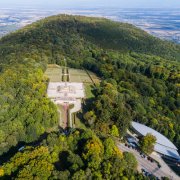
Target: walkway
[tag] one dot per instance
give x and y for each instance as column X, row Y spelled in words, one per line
column 76, row 108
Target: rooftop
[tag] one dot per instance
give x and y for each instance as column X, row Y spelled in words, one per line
column 163, row 145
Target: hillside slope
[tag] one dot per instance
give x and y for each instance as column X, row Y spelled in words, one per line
column 105, row 33
column 141, row 76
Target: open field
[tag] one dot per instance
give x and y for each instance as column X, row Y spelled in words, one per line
column 78, row 123
column 78, row 75
column 88, row 90
column 93, row 76
column 54, row 73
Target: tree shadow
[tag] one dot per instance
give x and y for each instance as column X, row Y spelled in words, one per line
column 62, row 164
column 87, row 106
column 13, row 150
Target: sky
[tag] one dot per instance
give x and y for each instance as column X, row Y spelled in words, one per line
column 91, row 3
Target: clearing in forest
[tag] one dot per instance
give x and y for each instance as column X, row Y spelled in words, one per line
column 67, row 88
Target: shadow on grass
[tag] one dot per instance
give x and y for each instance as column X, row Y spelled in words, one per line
column 87, row 106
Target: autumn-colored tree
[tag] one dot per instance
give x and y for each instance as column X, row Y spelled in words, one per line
column 114, row 131
column 31, row 163
column 93, row 152
column 110, row 149
column 147, row 143
column 1, row 171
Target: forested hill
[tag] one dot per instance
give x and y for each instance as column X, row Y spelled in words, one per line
column 105, row 33
column 140, row 73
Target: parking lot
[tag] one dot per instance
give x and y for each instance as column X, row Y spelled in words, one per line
column 145, row 164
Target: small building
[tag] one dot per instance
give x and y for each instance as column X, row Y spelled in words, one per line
column 163, row 145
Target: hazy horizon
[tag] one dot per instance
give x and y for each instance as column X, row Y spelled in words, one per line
column 160, row 23
column 160, row 17
column 91, row 3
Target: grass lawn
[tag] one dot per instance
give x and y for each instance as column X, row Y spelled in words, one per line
column 95, row 79
column 75, row 78
column 54, row 73
column 78, row 123
column 88, row 90
column 62, row 114
column 78, row 75
column 65, row 78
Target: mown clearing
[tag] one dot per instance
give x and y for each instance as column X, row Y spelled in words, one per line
column 89, row 79
column 68, row 87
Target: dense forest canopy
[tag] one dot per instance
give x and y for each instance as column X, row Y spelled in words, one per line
column 81, row 155
column 140, row 80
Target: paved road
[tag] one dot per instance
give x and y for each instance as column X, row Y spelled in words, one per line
column 165, row 167
column 145, row 164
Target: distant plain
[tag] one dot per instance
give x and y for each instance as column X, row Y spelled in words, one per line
column 162, row 23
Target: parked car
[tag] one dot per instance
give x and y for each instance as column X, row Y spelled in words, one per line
column 21, row 148
column 143, row 155
column 152, row 176
column 143, row 170
column 147, row 173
